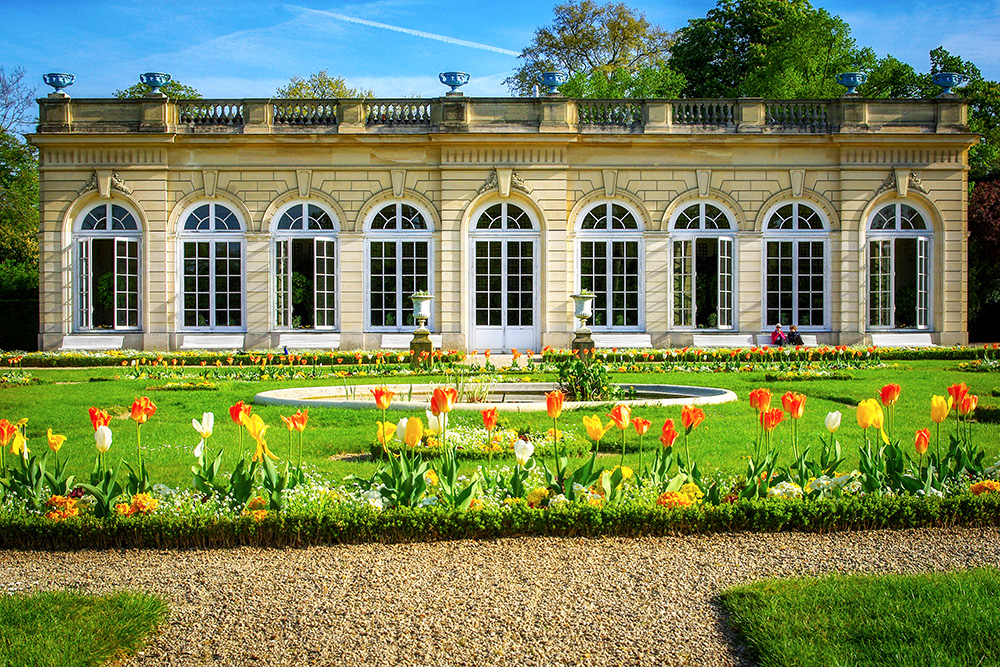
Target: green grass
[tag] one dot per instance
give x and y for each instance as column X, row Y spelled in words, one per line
column 721, row 443
column 64, row 629
column 944, row 619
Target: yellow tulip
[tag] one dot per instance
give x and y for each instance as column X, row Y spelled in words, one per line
column 595, row 429
column 55, row 441
column 20, row 445
column 414, row 431
column 384, row 432
column 879, row 419
column 867, row 410
column 940, row 408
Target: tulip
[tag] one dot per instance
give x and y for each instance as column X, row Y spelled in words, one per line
column 794, row 404
column 832, row 421
column 760, row 399
column 620, row 416
column 384, row 432
column 99, row 418
column 19, row 446
column 867, row 412
column 968, row 404
column 490, row 418
column 595, row 429
column 554, row 403
column 923, row 441
column 401, row 428
column 523, row 449
column 239, row 411
column 940, row 408
column 205, row 426
column 55, row 441
column 7, row 431
column 102, row 439
column 414, row 431
column 957, row 393
column 691, row 416
column 890, row 394
column 769, row 419
column 436, row 423
column 383, row 397
column 142, row 410
column 257, row 429
column 669, row 435
column 879, row 420
column 199, row 449
column 443, row 400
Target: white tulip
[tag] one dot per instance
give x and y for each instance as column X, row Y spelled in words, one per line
column 204, row 427
column 401, row 428
column 102, row 439
column 523, row 451
column 200, row 449
column 437, row 423
column 833, row 421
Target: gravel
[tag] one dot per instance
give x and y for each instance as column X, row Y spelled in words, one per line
column 526, row 601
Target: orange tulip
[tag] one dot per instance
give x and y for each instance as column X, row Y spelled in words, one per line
column 383, row 397
column 669, row 435
column 890, row 394
column 760, row 399
column 443, row 400
column 7, row 431
column 968, row 404
column 769, row 419
column 794, row 404
column 957, row 393
column 641, row 425
column 620, row 415
column 923, row 441
column 239, row 412
column 691, row 416
column 99, row 418
column 554, row 403
column 142, row 409
column 296, row 422
column 490, row 418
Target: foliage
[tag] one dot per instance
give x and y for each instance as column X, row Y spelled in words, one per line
column 18, row 209
column 762, row 48
column 645, row 82
column 174, row 90
column 16, row 99
column 939, row 618
column 99, row 630
column 320, row 86
column 587, row 38
column 584, row 381
column 984, row 258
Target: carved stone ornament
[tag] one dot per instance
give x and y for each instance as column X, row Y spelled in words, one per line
column 888, row 183
column 118, row 184
column 493, row 183
column 891, row 182
column 916, row 184
column 113, row 181
column 89, row 185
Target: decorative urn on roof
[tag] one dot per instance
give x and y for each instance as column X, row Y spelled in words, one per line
column 851, row 81
column 155, row 80
column 454, row 79
column 58, row 80
column 947, row 81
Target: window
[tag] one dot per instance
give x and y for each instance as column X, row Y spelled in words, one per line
column 305, row 267
column 610, row 250
column 211, row 268
column 107, row 268
column 899, row 246
column 703, row 252
column 399, row 264
column 795, row 267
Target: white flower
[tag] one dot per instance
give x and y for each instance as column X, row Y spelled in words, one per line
column 833, row 421
column 785, row 490
column 200, row 449
column 437, row 423
column 401, row 428
column 204, row 427
column 102, row 439
column 523, row 451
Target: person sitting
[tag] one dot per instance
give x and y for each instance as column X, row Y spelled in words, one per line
column 778, row 337
column 794, row 337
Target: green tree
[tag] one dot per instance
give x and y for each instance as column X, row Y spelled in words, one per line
column 18, row 217
column 175, row 90
column 984, row 259
column 649, row 82
column 586, row 39
column 320, row 86
column 766, row 48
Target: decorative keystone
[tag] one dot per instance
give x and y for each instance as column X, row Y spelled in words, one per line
column 851, row 81
column 155, row 80
column 58, row 80
column 454, row 79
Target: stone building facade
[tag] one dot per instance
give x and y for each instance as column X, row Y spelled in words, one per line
column 166, row 224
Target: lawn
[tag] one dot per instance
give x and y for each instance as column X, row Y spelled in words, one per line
column 62, row 396
column 934, row 619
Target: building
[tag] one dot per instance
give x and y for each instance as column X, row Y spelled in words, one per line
column 254, row 223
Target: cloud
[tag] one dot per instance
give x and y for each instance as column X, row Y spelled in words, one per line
column 408, row 31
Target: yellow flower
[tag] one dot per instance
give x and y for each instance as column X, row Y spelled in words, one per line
column 595, row 429
column 384, row 432
column 143, row 503
column 431, row 478
column 257, row 428
column 867, row 410
column 940, row 408
column 414, row 431
column 55, row 441
column 19, row 445
column 692, row 491
column 536, row 496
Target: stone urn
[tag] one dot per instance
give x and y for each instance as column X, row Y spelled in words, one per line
column 583, row 309
column 422, row 309
column 58, row 80
column 552, row 81
column 454, row 79
column 947, row 81
column 851, row 81
column 155, row 80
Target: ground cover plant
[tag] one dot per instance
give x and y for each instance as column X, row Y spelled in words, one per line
column 66, row 629
column 178, row 443
column 933, row 619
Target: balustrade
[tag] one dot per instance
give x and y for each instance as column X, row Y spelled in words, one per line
column 709, row 113
column 803, row 116
column 304, row 112
column 614, row 113
column 210, row 112
column 398, row 112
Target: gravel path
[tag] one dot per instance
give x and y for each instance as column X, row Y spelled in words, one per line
column 530, row 601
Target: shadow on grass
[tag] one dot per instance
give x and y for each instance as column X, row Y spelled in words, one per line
column 738, row 651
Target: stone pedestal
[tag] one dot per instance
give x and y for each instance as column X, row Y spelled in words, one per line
column 419, row 345
column 583, row 345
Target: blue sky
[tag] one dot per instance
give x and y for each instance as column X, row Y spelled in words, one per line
column 248, row 48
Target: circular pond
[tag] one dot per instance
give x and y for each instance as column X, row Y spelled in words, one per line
column 506, row 396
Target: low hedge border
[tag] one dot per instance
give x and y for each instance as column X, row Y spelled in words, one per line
column 778, row 354
column 195, row 359
column 353, row 525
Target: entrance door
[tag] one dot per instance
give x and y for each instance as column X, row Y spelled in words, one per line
column 504, row 295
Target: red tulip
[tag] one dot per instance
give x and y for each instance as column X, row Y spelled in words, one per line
column 968, row 404
column 890, row 394
column 7, row 431
column 669, row 435
column 769, row 419
column 794, row 404
column 620, row 415
column 142, row 409
column 297, row 421
column 554, row 403
column 760, row 399
column 383, row 397
column 443, row 400
column 691, row 416
column 239, row 412
column 99, row 418
column 490, row 418
column 923, row 441
column 641, row 425
column 957, row 393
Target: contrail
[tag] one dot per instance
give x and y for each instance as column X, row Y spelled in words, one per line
column 408, row 31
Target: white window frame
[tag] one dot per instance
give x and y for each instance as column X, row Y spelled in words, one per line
column 796, row 236
column 283, row 238
column 691, row 236
column 925, row 262
column 397, row 236
column 609, row 236
column 212, row 237
column 83, row 287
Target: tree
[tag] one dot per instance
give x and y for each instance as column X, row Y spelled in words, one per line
column 18, row 211
column 320, row 86
column 586, row 38
column 766, row 48
column 649, row 82
column 175, row 90
column 984, row 259
column 16, row 98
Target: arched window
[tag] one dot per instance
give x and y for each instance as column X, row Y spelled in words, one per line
column 704, row 237
column 795, row 283
column 211, row 241
column 108, row 268
column 305, row 266
column 399, row 264
column 899, row 281
column 504, row 247
column 610, row 251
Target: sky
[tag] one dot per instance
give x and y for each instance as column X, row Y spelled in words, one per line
column 249, row 48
